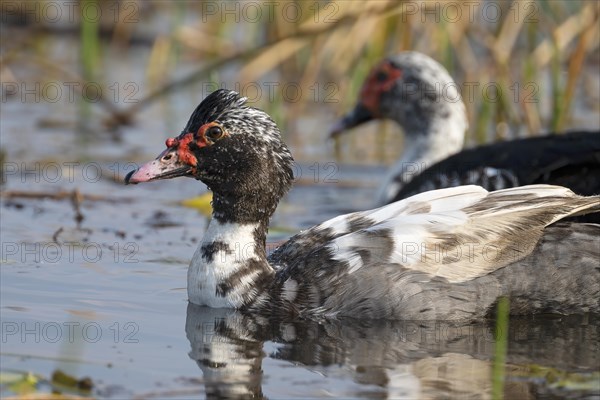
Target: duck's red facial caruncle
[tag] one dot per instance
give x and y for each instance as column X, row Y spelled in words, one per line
column 179, row 159
column 381, row 79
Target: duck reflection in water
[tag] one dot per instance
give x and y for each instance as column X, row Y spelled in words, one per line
column 242, row 355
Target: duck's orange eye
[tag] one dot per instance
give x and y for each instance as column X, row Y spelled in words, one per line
column 214, row 133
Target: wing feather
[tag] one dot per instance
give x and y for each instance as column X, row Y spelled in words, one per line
column 459, row 233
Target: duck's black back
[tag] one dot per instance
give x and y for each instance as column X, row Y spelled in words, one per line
column 571, row 159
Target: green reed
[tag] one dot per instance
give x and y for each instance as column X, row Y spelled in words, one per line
column 500, row 348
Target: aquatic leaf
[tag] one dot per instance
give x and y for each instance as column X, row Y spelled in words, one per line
column 202, row 203
column 19, row 382
column 61, row 379
column 557, row 378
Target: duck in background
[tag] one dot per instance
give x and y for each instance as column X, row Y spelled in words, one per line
column 445, row 254
column 420, row 95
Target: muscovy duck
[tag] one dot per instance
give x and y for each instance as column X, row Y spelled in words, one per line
column 419, row 94
column 445, row 254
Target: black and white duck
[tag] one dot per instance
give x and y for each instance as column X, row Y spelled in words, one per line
column 444, row 254
column 419, row 94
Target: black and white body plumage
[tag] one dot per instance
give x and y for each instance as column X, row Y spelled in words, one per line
column 446, row 254
column 420, row 95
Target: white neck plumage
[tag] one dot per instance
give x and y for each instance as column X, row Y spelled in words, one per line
column 227, row 266
column 443, row 138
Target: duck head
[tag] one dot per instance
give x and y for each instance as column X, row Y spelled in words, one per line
column 410, row 88
column 236, row 150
